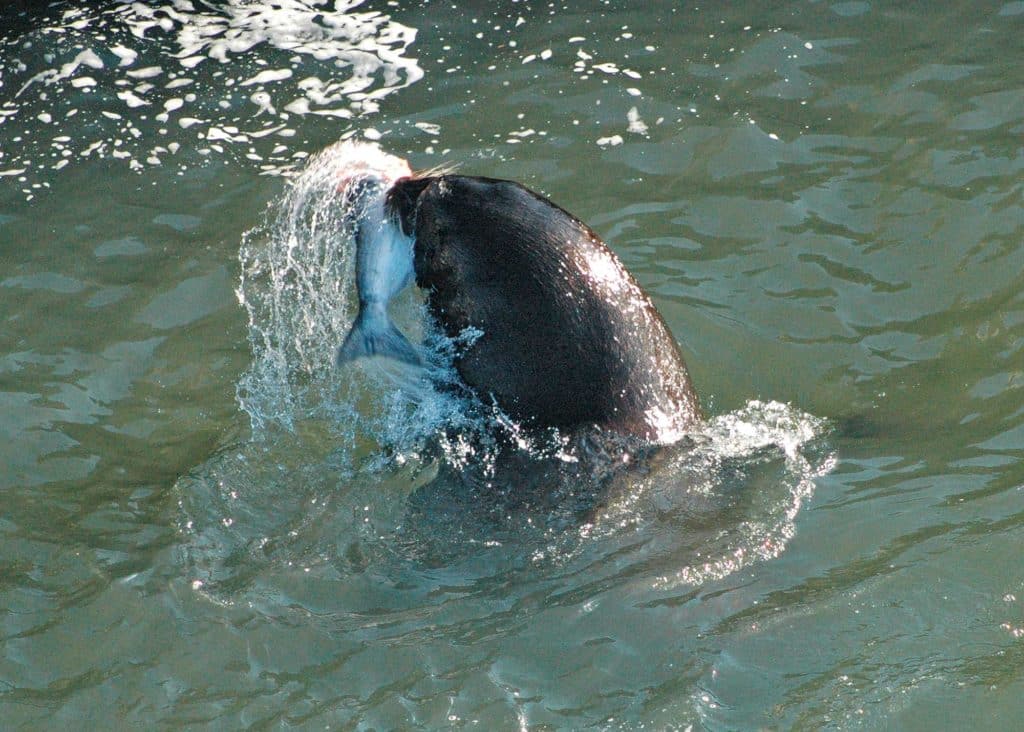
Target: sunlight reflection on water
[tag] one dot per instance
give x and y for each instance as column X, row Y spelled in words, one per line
column 836, row 227
column 233, row 79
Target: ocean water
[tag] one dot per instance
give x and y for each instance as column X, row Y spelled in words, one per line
column 205, row 524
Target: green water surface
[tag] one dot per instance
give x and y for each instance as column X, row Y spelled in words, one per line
column 825, row 201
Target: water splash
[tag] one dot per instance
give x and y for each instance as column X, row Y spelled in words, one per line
column 726, row 496
column 728, row 452
column 160, row 83
column 297, row 287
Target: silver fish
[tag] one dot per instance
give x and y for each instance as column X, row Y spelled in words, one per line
column 384, row 267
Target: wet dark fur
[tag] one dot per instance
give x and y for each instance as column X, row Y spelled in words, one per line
column 560, row 347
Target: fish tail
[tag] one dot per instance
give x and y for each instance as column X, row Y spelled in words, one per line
column 373, row 334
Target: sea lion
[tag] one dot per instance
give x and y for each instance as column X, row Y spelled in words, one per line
column 568, row 338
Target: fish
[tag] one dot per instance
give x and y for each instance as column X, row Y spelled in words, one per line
column 384, row 267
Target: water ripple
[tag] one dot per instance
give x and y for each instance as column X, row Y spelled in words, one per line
column 178, row 82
